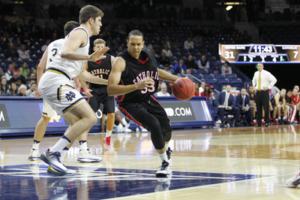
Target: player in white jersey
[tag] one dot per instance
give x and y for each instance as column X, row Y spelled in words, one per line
column 48, row 112
column 55, row 84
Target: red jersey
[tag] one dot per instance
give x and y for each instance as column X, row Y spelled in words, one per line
column 196, row 93
column 295, row 99
column 207, row 96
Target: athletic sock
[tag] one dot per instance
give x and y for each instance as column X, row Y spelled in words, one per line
column 63, row 154
column 284, row 118
column 163, row 157
column 83, row 145
column 61, row 144
column 108, row 133
column 36, row 144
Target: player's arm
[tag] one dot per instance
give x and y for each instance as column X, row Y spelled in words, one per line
column 113, row 87
column 40, row 71
column 77, row 84
column 166, row 76
column 84, row 85
column 85, row 76
column 76, row 39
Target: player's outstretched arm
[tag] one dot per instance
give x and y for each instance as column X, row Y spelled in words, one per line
column 85, row 76
column 40, row 71
column 113, row 87
column 166, row 76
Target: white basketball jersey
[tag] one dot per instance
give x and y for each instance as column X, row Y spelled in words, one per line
column 53, row 49
column 71, row 67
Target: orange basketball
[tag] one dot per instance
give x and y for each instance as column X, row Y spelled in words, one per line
column 184, row 89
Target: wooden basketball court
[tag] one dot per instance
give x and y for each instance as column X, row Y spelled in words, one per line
column 236, row 163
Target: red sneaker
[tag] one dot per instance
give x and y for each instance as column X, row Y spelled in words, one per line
column 106, row 142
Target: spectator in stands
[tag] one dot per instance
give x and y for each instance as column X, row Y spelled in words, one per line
column 18, row 79
column 163, row 91
column 168, row 43
column 11, row 53
column 9, row 72
column 189, row 44
column 24, row 70
column 31, row 91
column 243, row 103
column 44, row 47
column 196, row 89
column 226, row 69
column 154, row 54
column 252, row 100
column 18, row 44
column 180, row 67
column 26, row 39
column 167, row 51
column 213, row 92
column 190, row 63
column 23, row 53
column 167, row 69
column 198, row 41
column 215, row 70
column 4, row 87
column 147, row 46
column 163, row 60
column 13, row 89
column 15, row 67
column 157, row 43
column 3, row 44
column 22, row 91
column 177, row 43
column 198, row 31
column 225, row 102
column 202, row 87
column 206, row 93
column 203, row 63
column 120, row 49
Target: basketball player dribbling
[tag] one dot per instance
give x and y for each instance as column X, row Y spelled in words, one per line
column 48, row 112
column 98, row 93
column 55, row 87
column 135, row 78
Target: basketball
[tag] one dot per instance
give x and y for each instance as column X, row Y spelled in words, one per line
column 184, row 89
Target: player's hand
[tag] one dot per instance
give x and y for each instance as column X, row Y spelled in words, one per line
column 99, row 54
column 88, row 93
column 146, row 82
column 37, row 94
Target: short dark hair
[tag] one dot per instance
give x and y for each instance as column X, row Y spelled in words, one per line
column 290, row 91
column 226, row 62
column 89, row 11
column 69, row 26
column 135, row 32
column 243, row 89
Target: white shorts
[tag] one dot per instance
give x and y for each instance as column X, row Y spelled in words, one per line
column 47, row 110
column 56, row 89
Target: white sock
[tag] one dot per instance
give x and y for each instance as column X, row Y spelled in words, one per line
column 108, row 133
column 284, row 118
column 63, row 154
column 278, row 118
column 61, row 144
column 83, row 145
column 36, row 145
column 163, row 157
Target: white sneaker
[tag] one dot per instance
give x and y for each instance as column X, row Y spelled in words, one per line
column 125, row 123
column 143, row 130
column 34, row 154
column 164, row 169
column 120, row 128
column 86, row 157
column 294, row 181
column 137, row 130
column 53, row 159
column 127, row 130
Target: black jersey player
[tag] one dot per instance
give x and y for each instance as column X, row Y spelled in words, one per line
column 98, row 93
column 135, row 79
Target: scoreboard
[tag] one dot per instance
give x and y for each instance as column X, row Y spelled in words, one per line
column 260, row 53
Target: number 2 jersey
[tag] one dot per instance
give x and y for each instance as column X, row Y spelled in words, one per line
column 135, row 71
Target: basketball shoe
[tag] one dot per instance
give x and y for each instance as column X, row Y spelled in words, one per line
column 85, row 156
column 169, row 151
column 52, row 159
column 34, row 154
column 164, row 169
column 54, row 172
column 294, row 181
column 106, row 142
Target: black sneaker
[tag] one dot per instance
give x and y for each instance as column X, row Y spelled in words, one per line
column 169, row 151
column 164, row 169
column 280, row 122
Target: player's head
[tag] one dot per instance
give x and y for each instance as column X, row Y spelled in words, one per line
column 251, row 89
column 91, row 15
column 295, row 91
column 243, row 91
column 99, row 44
column 228, row 88
column 296, row 87
column 226, row 64
column 260, row 67
column 69, row 26
column 283, row 92
column 135, row 43
column 289, row 93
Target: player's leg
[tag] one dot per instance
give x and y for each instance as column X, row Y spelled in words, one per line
column 139, row 114
column 285, row 113
column 278, row 113
column 109, row 105
column 103, row 121
column 259, row 108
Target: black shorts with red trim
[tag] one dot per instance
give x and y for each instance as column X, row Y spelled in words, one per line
column 136, row 110
column 100, row 96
